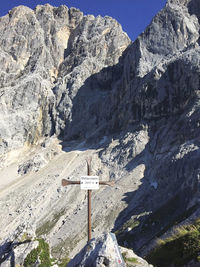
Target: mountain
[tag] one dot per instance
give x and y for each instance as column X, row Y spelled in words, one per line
column 74, row 87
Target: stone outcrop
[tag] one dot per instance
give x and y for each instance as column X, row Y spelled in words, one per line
column 46, row 56
column 62, row 56
column 104, row 251
column 22, row 243
column 133, row 107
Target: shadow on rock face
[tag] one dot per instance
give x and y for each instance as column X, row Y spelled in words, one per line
column 169, row 191
column 7, row 251
column 194, row 8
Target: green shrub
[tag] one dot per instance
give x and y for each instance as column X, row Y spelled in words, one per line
column 42, row 253
column 134, row 260
column 31, row 258
column 128, row 260
column 178, row 249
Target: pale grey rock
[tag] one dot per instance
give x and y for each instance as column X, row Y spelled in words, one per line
column 138, row 261
column 162, row 59
column 133, row 106
column 104, row 251
column 32, row 165
column 99, row 252
column 64, row 47
column 39, row 49
column 142, row 85
column 17, row 246
column 17, row 252
column 97, row 43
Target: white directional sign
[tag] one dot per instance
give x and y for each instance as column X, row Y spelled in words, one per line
column 89, row 182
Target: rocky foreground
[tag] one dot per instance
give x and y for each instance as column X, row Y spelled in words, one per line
column 75, row 86
column 104, row 251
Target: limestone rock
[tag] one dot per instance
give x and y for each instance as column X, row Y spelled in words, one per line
column 104, row 251
column 132, row 259
column 163, row 58
column 46, row 56
column 17, row 246
column 17, row 252
column 32, row 165
column 97, row 43
column 133, row 107
column 142, row 85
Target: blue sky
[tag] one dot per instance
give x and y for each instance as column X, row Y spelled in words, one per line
column 133, row 15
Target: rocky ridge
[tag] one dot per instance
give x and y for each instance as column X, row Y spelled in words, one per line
column 104, row 251
column 52, row 51
column 88, row 91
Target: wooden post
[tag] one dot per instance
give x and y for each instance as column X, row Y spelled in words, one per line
column 89, row 204
column 89, row 193
column 89, row 216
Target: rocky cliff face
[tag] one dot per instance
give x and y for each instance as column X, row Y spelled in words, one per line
column 47, row 54
column 133, row 106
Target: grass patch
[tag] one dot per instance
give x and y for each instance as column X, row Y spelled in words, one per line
column 134, row 260
column 129, row 260
column 178, row 249
column 42, row 253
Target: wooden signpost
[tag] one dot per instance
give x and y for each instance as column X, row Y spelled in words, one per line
column 88, row 183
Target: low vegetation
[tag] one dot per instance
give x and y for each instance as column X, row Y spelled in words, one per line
column 128, row 260
column 40, row 254
column 179, row 249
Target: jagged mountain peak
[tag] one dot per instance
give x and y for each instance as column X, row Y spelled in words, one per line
column 42, row 46
column 193, row 6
